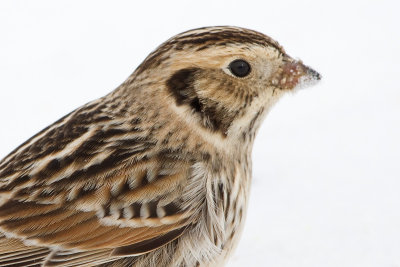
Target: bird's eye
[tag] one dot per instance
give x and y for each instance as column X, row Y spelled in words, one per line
column 239, row 68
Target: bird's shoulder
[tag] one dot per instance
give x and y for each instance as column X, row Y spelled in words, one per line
column 98, row 184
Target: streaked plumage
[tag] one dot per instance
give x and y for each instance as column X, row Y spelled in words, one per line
column 156, row 173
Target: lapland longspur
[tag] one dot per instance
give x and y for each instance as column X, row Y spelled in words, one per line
column 156, row 173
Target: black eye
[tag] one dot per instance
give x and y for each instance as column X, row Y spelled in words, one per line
column 239, row 68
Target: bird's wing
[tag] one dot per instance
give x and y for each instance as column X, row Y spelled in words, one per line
column 90, row 187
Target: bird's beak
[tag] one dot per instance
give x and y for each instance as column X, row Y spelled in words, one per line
column 294, row 75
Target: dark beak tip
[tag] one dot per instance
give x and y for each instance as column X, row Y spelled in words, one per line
column 314, row 74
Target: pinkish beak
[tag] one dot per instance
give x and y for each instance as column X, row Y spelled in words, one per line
column 294, row 74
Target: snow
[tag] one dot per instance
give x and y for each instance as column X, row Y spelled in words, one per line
column 326, row 188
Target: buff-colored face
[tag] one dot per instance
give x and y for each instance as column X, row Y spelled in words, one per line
column 228, row 79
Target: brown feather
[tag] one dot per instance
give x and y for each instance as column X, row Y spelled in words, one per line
column 156, row 173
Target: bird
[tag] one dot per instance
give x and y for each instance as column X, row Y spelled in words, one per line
column 158, row 171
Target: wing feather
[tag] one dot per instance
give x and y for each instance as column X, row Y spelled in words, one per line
column 14, row 253
column 90, row 188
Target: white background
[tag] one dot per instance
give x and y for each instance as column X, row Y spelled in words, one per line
column 326, row 188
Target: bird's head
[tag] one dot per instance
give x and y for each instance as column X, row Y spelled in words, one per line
column 224, row 78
